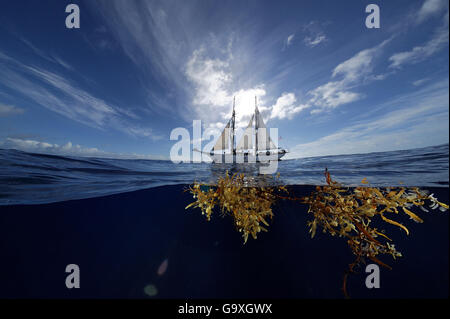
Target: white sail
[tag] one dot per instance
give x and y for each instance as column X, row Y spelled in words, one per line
column 258, row 135
column 263, row 135
column 224, row 140
column 246, row 141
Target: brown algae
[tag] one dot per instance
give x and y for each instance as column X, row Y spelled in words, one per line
column 335, row 209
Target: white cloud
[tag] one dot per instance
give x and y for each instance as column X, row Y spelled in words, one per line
column 289, row 39
column 420, row 53
column 211, row 77
column 351, row 72
column 314, row 34
column 28, row 145
column 355, row 141
column 312, row 42
column 158, row 37
column 285, row 107
column 7, row 110
column 67, row 149
column 352, row 68
column 332, row 95
column 169, row 45
column 213, row 94
column 56, row 93
column 143, row 132
column 49, row 57
column 213, row 98
column 149, row 34
column 420, row 82
column 408, row 121
column 430, row 8
column 358, row 65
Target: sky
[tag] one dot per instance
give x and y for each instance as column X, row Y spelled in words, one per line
column 135, row 70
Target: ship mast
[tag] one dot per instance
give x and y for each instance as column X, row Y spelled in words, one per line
column 232, row 129
column 256, row 128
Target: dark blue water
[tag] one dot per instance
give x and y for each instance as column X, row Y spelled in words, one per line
column 119, row 220
column 36, row 178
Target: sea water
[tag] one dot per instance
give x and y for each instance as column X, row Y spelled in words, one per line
column 124, row 224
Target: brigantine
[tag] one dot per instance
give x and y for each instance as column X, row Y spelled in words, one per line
column 255, row 144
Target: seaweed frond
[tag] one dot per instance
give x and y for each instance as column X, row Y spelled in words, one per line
column 350, row 213
column 250, row 207
column 337, row 210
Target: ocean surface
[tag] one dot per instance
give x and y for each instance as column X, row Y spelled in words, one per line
column 27, row 178
column 124, row 223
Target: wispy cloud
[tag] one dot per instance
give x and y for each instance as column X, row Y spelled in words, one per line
column 8, row 110
column 411, row 124
column 312, row 42
column 193, row 63
column 67, row 149
column 56, row 93
column 156, row 37
column 153, row 41
column 314, row 34
column 290, row 39
column 213, row 76
column 419, row 53
column 420, row 82
column 99, row 39
column 187, row 62
column 350, row 73
column 430, row 8
column 359, row 65
column 46, row 55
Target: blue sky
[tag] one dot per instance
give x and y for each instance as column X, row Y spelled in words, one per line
column 135, row 70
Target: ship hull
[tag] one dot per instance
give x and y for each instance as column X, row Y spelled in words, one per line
column 244, row 158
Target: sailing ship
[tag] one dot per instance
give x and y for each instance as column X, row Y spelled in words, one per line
column 255, row 144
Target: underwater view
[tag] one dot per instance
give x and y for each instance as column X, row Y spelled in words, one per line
column 125, row 224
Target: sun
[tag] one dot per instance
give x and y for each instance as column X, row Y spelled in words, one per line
column 245, row 104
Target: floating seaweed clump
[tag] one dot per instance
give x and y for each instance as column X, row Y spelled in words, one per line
column 349, row 212
column 337, row 210
column 249, row 206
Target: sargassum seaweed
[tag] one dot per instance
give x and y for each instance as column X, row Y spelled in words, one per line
column 250, row 207
column 338, row 210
